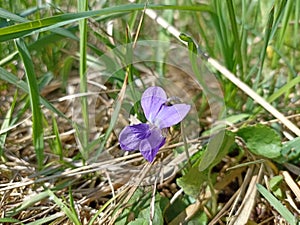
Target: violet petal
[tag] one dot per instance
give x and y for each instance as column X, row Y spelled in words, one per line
column 150, row 146
column 171, row 115
column 152, row 100
column 131, row 136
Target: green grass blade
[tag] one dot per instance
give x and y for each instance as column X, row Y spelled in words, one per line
column 56, row 144
column 10, row 221
column 5, row 124
column 46, row 220
column 222, row 34
column 72, row 216
column 29, row 202
column 10, row 16
column 12, row 79
column 283, row 211
column 237, row 41
column 284, row 89
column 72, row 204
column 26, row 28
column 37, row 117
column 267, row 38
column 82, row 7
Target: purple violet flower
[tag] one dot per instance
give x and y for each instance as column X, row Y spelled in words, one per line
column 148, row 138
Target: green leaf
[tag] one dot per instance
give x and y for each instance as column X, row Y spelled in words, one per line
column 9, row 220
column 84, row 133
column 10, row 16
column 261, row 140
column 139, row 221
column 12, row 79
column 157, row 217
column 6, row 123
column 290, row 151
column 274, row 184
column 27, row 203
column 71, row 215
column 192, row 181
column 46, row 220
column 217, row 148
column 56, row 143
column 26, row 28
column 37, row 117
column 283, row 211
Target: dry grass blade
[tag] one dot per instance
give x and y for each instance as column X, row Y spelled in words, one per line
column 260, row 100
column 244, row 211
column 292, row 184
column 143, row 173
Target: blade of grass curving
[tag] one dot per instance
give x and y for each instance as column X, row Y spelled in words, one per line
column 72, row 205
column 6, row 124
column 12, row 79
column 72, row 216
column 47, row 219
column 236, row 37
column 11, row 16
column 37, row 116
column 56, row 144
column 27, row 203
column 284, row 89
column 82, row 7
column 283, row 211
column 27, row 28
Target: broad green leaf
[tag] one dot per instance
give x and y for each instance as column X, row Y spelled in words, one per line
column 157, row 217
column 217, row 148
column 139, row 206
column 133, row 202
column 139, row 221
column 192, row 181
column 261, row 140
column 283, row 211
column 199, row 219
